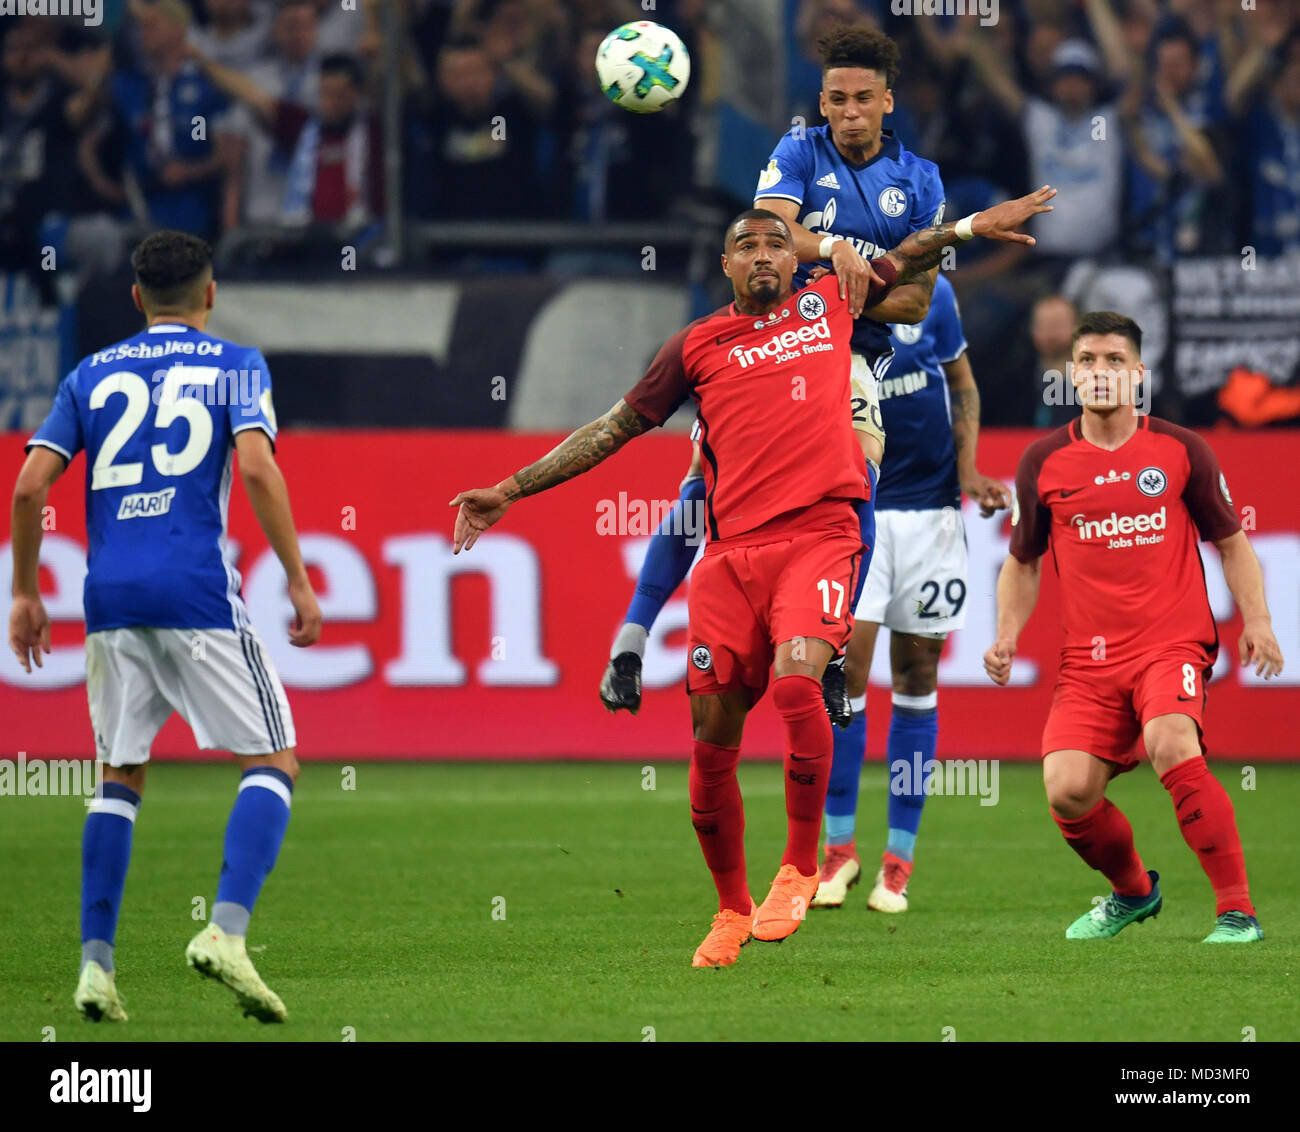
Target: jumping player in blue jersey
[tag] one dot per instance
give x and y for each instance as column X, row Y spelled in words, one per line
column 161, row 416
column 849, row 190
column 851, row 176
column 917, row 588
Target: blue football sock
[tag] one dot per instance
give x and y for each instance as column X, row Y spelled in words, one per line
column 253, row 835
column 867, row 525
column 105, row 857
column 846, row 774
column 669, row 556
column 913, row 737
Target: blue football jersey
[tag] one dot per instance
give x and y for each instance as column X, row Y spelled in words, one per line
column 919, row 471
column 157, row 415
column 874, row 206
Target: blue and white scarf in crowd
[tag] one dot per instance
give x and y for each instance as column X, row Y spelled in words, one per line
column 300, row 186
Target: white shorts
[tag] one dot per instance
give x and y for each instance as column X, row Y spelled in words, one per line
column 917, row 582
column 220, row 680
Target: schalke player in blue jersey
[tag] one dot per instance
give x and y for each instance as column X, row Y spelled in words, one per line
column 850, row 176
column 160, row 416
column 917, row 588
column 849, row 190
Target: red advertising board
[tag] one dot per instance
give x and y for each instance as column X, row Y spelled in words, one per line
column 497, row 653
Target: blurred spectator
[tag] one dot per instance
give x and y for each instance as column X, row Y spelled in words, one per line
column 618, row 166
column 260, row 169
column 1175, row 155
column 1072, row 145
column 1271, row 147
column 176, row 148
column 335, row 150
column 237, row 33
column 812, row 20
column 1044, row 38
column 482, row 140
column 522, row 39
column 1051, row 327
column 955, row 123
column 40, row 116
column 341, row 27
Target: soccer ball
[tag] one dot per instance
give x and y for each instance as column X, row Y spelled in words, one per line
column 643, row 66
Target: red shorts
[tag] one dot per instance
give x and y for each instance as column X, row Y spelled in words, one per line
column 1102, row 707
column 747, row 599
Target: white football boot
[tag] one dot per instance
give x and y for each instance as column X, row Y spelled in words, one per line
column 839, row 872
column 220, row 956
column 96, row 996
column 890, row 891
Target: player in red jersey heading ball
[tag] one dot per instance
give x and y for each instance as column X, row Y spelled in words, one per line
column 1120, row 499
column 783, row 472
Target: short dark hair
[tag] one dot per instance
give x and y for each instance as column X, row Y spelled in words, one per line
column 754, row 214
column 1108, row 322
column 171, row 269
column 855, row 45
column 1177, row 29
column 342, row 64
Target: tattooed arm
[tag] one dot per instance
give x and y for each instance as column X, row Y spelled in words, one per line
column 924, row 249
column 581, row 451
column 963, row 394
column 907, row 302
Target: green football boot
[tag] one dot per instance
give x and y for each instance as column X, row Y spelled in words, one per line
column 1116, row 912
column 1235, row 927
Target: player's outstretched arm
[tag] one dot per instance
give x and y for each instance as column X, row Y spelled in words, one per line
column 1241, row 571
column 269, row 496
column 581, row 451
column 923, row 249
column 1017, row 595
column 29, row 624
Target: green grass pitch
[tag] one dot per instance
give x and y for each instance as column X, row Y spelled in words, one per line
column 564, row 901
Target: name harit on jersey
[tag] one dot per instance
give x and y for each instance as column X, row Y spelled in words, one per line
column 903, row 384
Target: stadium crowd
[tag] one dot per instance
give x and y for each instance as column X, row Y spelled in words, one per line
column 221, row 116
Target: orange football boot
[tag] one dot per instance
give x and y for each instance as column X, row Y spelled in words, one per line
column 786, row 905
column 730, row 932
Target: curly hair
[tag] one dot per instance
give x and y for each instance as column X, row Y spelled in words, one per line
column 854, row 45
column 171, row 269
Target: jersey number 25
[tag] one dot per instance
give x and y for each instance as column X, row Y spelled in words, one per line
column 171, row 406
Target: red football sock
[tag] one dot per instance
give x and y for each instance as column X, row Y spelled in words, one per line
column 1209, row 827
column 719, row 819
column 809, row 747
column 1104, row 838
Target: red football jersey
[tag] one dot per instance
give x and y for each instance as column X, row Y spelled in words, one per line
column 772, row 393
column 1122, row 527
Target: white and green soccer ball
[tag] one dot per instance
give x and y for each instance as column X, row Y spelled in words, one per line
column 643, row 67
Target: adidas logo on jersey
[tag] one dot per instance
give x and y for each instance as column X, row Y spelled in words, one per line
column 829, row 181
